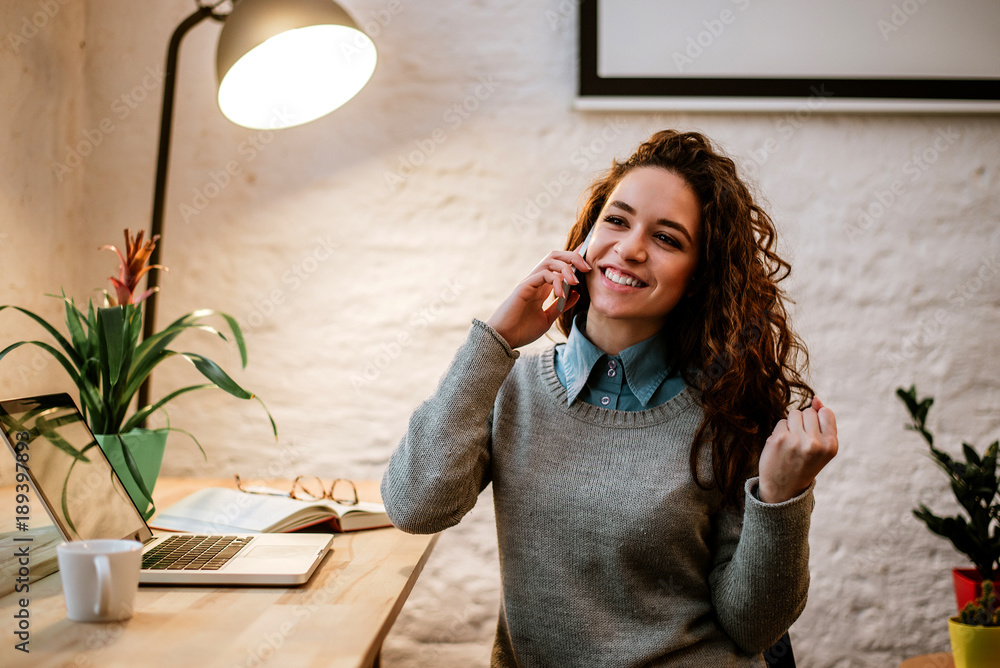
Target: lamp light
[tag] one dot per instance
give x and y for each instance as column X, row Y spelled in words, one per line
column 280, row 63
column 286, row 62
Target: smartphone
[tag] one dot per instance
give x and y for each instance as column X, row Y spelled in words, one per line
column 561, row 302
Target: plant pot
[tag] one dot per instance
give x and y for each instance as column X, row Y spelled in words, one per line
column 146, row 447
column 968, row 585
column 974, row 646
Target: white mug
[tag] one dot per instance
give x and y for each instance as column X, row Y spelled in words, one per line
column 99, row 578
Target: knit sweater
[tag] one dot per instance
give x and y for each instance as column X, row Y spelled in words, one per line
column 610, row 554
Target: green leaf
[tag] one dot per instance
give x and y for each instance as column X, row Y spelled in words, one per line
column 74, row 356
column 188, row 319
column 151, row 352
column 237, row 336
column 57, row 440
column 104, row 363
column 990, row 467
column 74, row 322
column 59, row 357
column 146, row 411
column 274, row 427
column 192, row 316
column 133, row 331
column 214, row 373
column 922, row 410
column 133, row 469
column 64, row 502
column 970, row 455
column 909, row 399
column 92, row 328
column 37, row 425
column 191, row 436
column 91, row 404
column 113, row 329
column 162, row 339
column 918, row 411
column 141, row 370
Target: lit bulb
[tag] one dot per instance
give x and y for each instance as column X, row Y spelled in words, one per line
column 297, row 76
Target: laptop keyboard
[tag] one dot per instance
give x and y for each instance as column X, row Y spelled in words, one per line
column 194, row 553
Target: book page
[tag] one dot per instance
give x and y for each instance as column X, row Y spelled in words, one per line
column 222, row 510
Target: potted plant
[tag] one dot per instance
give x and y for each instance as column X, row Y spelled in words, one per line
column 975, row 632
column 104, row 356
column 974, row 483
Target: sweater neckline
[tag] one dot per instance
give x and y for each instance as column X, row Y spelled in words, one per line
column 608, row 417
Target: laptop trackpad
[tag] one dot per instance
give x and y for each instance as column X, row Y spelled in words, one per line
column 280, row 551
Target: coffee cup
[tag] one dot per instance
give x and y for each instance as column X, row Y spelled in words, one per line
column 99, row 578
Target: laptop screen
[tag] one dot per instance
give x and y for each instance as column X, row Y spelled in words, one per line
column 70, row 473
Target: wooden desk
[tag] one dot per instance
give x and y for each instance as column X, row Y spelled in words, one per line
column 942, row 660
column 337, row 619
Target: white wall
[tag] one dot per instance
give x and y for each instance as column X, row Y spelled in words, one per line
column 330, row 261
column 41, row 229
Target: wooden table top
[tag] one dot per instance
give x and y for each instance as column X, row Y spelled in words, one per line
column 941, row 660
column 337, row 619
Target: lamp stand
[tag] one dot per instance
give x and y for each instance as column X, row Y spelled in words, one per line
column 162, row 160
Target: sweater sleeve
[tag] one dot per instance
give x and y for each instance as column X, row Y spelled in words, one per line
column 760, row 573
column 443, row 462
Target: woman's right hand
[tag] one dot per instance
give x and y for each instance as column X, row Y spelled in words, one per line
column 521, row 318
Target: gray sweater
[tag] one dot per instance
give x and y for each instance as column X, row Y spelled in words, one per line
column 610, row 554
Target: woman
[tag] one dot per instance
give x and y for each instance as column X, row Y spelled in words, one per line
column 644, row 515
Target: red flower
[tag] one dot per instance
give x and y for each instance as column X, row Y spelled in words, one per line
column 132, row 268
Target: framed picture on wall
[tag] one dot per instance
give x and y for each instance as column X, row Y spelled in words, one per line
column 775, row 55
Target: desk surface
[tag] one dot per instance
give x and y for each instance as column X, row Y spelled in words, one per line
column 337, row 619
column 942, row 660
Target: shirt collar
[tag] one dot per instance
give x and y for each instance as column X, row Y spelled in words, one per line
column 580, row 356
column 645, row 363
column 646, row 366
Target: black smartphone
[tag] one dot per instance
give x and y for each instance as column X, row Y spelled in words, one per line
column 561, row 302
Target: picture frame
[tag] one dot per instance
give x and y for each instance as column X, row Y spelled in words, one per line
column 781, row 55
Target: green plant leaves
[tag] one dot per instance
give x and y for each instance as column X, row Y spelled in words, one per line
column 974, row 483
column 133, row 468
column 140, row 416
column 918, row 409
column 970, row 455
column 108, row 363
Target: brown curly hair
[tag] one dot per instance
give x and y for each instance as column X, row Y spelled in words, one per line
column 730, row 337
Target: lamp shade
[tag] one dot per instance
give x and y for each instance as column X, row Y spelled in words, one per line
column 286, row 62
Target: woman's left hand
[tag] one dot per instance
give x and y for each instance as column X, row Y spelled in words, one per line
column 796, row 451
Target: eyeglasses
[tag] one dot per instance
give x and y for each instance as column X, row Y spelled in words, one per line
column 310, row 488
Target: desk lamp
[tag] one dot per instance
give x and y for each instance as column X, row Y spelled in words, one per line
column 280, row 63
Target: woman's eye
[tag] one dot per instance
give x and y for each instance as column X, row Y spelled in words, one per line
column 614, row 220
column 669, row 240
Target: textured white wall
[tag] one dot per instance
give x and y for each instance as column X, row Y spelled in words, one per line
column 356, row 250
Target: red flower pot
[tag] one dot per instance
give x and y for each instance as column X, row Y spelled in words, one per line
column 968, row 585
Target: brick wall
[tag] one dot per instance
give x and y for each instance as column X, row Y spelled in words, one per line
column 355, row 251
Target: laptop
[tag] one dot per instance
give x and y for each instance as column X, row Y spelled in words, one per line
column 86, row 500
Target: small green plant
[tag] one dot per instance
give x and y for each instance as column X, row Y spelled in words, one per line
column 974, row 483
column 108, row 360
column 984, row 611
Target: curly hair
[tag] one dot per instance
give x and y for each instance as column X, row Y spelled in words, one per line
column 729, row 336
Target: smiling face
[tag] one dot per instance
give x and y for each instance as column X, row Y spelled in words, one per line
column 644, row 252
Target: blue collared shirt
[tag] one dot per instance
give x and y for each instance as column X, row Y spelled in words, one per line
column 637, row 378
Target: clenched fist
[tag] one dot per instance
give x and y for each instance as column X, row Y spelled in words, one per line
column 796, row 451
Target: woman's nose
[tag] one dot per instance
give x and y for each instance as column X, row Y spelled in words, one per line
column 631, row 248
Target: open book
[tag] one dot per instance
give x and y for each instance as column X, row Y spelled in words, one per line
column 222, row 510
